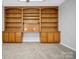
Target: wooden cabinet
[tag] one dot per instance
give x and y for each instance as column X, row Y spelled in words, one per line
column 18, row 37
column 56, row 36
column 50, row 37
column 31, row 19
column 12, row 37
column 5, row 36
column 43, row 37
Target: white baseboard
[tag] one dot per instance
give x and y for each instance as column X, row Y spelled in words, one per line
column 68, row 46
column 31, row 41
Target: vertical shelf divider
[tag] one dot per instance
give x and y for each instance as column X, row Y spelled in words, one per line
column 22, row 21
column 40, row 18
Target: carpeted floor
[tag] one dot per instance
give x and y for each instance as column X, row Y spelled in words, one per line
column 36, row 51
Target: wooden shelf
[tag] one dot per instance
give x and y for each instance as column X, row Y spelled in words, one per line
column 49, row 10
column 30, row 18
column 13, row 15
column 13, row 29
column 31, row 10
column 13, row 10
column 42, row 19
column 49, row 21
column 30, row 15
column 49, row 15
column 31, row 21
column 13, row 25
column 13, row 19
column 47, row 29
column 49, row 25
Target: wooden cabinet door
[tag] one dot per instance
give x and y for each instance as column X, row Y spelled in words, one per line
column 50, row 37
column 18, row 36
column 43, row 37
column 11, row 37
column 57, row 37
column 5, row 37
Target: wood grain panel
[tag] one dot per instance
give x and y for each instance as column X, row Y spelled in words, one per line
column 49, row 29
column 13, row 25
column 13, row 29
column 13, row 20
column 13, row 15
column 49, row 10
column 50, row 15
column 30, row 18
column 18, row 37
column 43, row 37
column 57, row 37
column 49, row 24
column 5, row 37
column 50, row 37
column 12, row 10
column 31, row 21
column 11, row 37
column 31, row 10
column 31, row 15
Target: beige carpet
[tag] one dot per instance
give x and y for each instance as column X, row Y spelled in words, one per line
column 36, row 51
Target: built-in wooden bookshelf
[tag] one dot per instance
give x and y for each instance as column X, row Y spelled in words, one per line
column 31, row 19
column 49, row 17
column 13, row 19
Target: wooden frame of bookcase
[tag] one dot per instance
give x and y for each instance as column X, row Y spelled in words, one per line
column 44, row 21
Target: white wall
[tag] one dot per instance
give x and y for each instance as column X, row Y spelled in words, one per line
column 31, row 37
column 68, row 23
column 44, row 3
column 3, row 23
